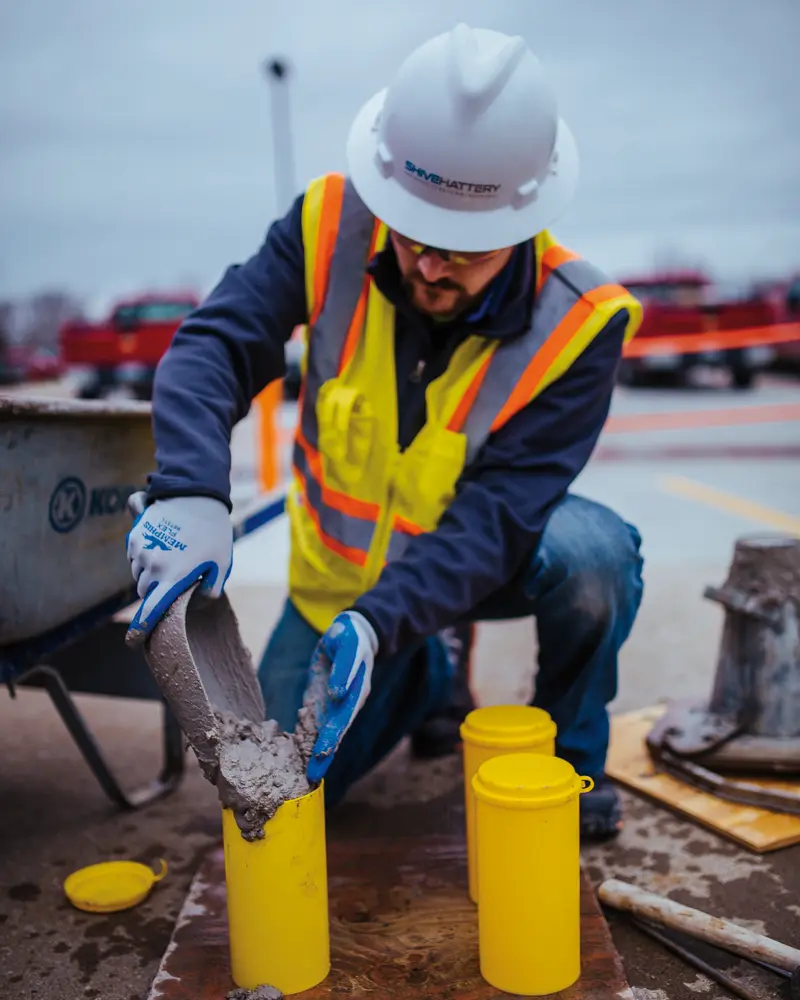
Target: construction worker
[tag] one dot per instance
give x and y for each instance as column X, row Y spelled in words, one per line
column 459, row 370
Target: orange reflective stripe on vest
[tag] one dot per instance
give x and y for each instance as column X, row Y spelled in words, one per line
column 331, row 211
column 486, row 382
column 523, row 362
column 357, row 323
column 346, row 525
column 560, row 337
column 335, row 316
column 552, row 258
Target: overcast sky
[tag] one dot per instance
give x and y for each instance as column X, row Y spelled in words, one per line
column 136, row 144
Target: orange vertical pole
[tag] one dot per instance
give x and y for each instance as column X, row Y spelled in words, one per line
column 267, row 403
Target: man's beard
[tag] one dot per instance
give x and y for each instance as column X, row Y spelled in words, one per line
column 416, row 284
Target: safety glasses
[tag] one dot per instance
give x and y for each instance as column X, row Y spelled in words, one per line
column 451, row 256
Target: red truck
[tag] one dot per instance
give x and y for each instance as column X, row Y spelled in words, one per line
column 784, row 296
column 688, row 324
column 122, row 351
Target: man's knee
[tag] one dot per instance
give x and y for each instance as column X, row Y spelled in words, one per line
column 593, row 556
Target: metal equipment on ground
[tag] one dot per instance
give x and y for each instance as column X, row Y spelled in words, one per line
column 751, row 723
column 650, row 908
column 67, row 468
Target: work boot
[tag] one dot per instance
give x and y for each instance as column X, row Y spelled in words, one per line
column 601, row 811
column 438, row 735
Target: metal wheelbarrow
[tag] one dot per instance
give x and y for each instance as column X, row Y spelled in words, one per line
column 67, row 468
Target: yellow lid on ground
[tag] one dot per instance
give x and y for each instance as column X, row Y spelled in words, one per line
column 508, row 727
column 528, row 781
column 111, row 885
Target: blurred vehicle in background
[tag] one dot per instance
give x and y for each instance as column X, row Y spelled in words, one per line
column 37, row 364
column 685, row 303
column 9, row 374
column 20, row 363
column 784, row 297
column 121, row 352
column 10, row 371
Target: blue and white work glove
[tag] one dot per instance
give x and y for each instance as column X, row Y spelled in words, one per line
column 172, row 544
column 347, row 650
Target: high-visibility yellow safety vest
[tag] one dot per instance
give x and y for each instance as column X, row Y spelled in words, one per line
column 356, row 498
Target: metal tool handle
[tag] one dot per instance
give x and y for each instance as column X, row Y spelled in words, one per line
column 715, row 930
column 744, row 792
column 738, row 989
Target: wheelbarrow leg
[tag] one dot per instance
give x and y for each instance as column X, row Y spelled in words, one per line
column 173, row 766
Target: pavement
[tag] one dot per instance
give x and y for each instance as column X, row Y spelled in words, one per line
column 693, row 484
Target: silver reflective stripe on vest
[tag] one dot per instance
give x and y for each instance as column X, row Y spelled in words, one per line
column 560, row 292
column 582, row 275
column 398, row 543
column 345, row 284
column 354, row 532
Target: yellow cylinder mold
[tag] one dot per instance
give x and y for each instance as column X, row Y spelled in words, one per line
column 528, row 840
column 491, row 731
column 278, row 898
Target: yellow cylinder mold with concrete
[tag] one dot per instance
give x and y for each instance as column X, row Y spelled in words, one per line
column 528, row 840
column 488, row 732
column 278, row 898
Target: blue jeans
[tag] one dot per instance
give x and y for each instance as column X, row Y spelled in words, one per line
column 584, row 587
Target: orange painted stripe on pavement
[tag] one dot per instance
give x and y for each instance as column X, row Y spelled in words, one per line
column 774, row 413
column 712, row 340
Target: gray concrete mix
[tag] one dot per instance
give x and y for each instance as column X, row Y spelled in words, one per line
column 54, row 818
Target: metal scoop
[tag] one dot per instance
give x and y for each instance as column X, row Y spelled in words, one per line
column 204, row 670
column 202, row 666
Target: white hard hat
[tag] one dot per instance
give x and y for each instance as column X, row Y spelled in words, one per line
column 465, row 149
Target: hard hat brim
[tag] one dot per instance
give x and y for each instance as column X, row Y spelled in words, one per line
column 437, row 225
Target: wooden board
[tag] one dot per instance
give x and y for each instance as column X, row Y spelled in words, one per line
column 629, row 763
column 402, row 928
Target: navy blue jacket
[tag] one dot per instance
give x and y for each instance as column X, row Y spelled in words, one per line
column 229, row 348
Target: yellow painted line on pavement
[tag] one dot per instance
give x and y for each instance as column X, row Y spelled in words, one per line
column 731, row 503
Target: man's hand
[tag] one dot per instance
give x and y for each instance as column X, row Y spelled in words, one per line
column 347, row 650
column 172, row 544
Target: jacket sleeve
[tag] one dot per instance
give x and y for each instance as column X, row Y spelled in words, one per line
column 501, row 505
column 223, row 354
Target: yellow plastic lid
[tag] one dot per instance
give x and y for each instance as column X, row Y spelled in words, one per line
column 528, row 781
column 111, row 885
column 508, row 726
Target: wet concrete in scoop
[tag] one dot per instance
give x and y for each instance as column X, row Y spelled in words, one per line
column 206, row 673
